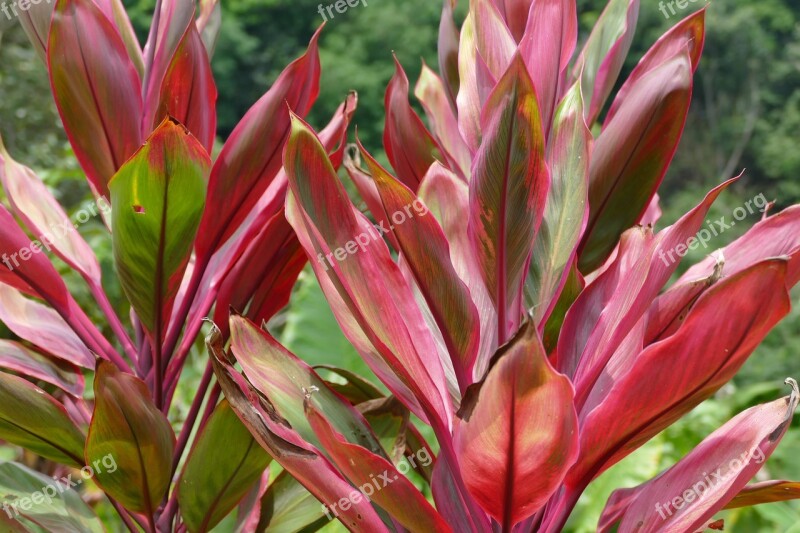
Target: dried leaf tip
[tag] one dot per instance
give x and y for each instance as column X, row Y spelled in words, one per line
column 795, row 391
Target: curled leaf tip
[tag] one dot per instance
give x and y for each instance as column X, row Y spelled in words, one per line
column 795, row 391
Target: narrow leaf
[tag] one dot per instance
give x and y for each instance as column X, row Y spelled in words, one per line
column 34, row 420
column 603, row 55
column 18, row 358
column 96, row 88
column 410, row 147
column 508, row 192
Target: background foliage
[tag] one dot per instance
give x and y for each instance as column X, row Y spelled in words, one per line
column 745, row 114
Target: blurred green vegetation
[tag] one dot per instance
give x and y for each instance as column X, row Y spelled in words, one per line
column 745, row 114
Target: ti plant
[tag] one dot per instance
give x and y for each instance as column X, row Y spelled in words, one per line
column 522, row 314
column 191, row 233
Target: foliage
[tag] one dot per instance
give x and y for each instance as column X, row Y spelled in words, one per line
column 186, row 229
column 525, row 355
column 522, row 320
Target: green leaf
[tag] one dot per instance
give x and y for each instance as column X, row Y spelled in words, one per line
column 287, row 507
column 48, row 503
column 157, row 200
column 566, row 211
column 205, row 494
column 31, row 418
column 127, row 426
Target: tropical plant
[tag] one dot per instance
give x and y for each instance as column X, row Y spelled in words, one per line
column 516, row 304
column 189, row 234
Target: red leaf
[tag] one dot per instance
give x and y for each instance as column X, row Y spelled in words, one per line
column 687, row 367
column 410, row 147
column 631, row 156
column 547, row 48
column 686, row 497
column 509, row 188
column 298, row 457
column 398, row 496
column 431, row 92
column 426, row 251
column 371, row 301
column 688, row 33
column 512, row 472
column 188, row 92
column 96, row 88
column 603, row 55
column 251, row 157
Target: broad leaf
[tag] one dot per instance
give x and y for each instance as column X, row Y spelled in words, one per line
column 288, row 507
column 510, row 470
column 207, row 493
column 127, row 425
column 157, row 202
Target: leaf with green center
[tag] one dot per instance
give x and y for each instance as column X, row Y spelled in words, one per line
column 157, row 202
column 205, row 494
column 566, row 211
column 127, row 426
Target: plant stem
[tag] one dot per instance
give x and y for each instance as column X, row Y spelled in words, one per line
column 113, row 321
column 183, row 439
column 126, row 518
